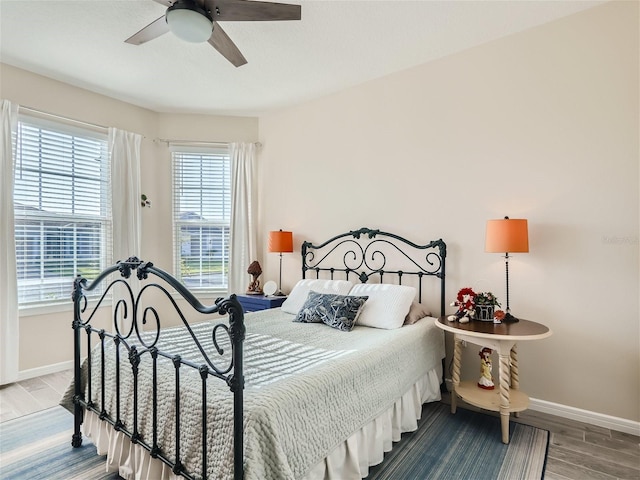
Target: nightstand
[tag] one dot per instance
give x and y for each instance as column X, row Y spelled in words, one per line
column 503, row 337
column 253, row 303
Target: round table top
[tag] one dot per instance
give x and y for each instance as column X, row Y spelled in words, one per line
column 521, row 330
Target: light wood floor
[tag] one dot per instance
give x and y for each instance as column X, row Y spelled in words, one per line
column 577, row 450
column 21, row 398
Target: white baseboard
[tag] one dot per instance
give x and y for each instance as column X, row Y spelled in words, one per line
column 585, row 416
column 46, row 370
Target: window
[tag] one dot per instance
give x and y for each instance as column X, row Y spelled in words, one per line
column 61, row 207
column 201, row 216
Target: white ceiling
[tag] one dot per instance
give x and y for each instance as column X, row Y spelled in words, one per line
column 337, row 44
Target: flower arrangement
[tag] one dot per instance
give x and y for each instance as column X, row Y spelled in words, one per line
column 486, row 298
column 485, row 305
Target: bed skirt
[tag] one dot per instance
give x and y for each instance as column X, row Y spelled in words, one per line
column 348, row 461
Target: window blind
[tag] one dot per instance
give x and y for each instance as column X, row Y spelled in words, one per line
column 201, row 216
column 61, row 207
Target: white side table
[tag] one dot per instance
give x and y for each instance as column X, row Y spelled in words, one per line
column 502, row 338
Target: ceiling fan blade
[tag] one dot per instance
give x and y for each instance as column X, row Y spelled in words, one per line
column 151, row 31
column 223, row 44
column 247, row 10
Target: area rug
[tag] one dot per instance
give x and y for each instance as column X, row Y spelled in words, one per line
column 38, row 446
column 467, row 445
column 462, row 446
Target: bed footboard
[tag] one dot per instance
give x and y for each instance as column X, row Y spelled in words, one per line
column 132, row 343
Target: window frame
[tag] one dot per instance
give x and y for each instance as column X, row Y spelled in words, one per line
column 221, row 154
column 43, row 128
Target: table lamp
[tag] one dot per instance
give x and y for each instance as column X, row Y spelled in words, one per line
column 280, row 242
column 508, row 236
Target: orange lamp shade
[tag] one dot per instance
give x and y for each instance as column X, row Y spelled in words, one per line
column 280, row 242
column 507, row 236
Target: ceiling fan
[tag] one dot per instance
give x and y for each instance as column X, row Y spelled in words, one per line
column 197, row 21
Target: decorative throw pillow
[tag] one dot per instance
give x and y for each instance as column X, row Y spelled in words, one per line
column 387, row 306
column 337, row 311
column 301, row 290
column 416, row 312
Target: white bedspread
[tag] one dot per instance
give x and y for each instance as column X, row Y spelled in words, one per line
column 308, row 388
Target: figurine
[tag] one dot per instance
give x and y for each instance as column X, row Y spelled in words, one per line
column 466, row 306
column 486, row 380
column 498, row 316
column 254, row 287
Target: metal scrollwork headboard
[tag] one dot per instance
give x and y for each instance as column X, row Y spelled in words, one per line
column 372, row 254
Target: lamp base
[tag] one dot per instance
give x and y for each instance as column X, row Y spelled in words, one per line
column 508, row 318
column 279, row 293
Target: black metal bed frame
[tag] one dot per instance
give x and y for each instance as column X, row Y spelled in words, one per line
column 136, row 347
column 363, row 254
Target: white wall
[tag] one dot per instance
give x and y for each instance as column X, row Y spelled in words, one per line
column 46, row 337
column 541, row 125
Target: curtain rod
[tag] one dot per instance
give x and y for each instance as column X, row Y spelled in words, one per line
column 196, row 142
column 60, row 117
column 66, row 119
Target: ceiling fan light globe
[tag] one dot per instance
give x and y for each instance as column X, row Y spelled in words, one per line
column 189, row 25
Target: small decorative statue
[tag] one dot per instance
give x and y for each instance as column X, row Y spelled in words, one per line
column 466, row 306
column 254, row 287
column 498, row 316
column 486, row 380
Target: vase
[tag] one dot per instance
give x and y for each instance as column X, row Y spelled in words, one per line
column 484, row 313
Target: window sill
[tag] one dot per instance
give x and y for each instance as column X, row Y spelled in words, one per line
column 49, row 308
column 207, row 297
column 204, row 296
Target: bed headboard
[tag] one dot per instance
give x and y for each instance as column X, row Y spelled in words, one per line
column 374, row 254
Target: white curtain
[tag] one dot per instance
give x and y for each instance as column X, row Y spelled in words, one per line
column 124, row 148
column 244, row 215
column 9, row 321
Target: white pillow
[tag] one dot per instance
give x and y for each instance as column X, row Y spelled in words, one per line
column 300, row 292
column 387, row 305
